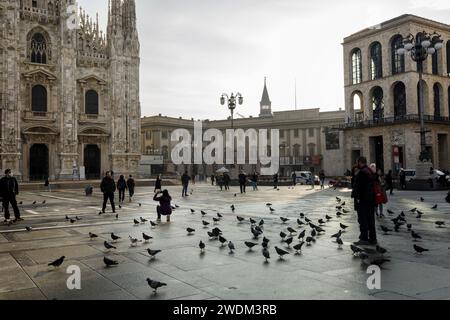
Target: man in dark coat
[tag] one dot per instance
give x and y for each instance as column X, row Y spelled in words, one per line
column 131, row 185
column 242, row 181
column 365, row 203
column 108, row 187
column 9, row 189
column 389, row 182
column 185, row 182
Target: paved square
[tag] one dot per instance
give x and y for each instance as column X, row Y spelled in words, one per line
column 322, row 271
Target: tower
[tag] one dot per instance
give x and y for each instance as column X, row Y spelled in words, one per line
column 265, row 104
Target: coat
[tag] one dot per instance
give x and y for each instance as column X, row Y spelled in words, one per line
column 9, row 187
column 108, row 185
column 164, row 203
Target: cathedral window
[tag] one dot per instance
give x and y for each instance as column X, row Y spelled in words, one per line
column 91, row 102
column 39, row 99
column 39, row 49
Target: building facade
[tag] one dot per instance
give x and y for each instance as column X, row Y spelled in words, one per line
column 382, row 95
column 69, row 93
column 307, row 141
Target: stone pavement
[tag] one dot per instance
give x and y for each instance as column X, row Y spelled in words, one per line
column 323, row 271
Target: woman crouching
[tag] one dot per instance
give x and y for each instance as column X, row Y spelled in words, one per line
column 164, row 208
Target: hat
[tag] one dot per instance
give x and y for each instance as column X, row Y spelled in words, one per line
column 7, row 171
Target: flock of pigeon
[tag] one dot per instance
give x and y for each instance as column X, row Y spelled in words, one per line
column 305, row 232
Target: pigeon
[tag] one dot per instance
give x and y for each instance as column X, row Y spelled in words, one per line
column 381, row 250
column 205, row 223
column 255, row 233
column 284, row 220
column 153, row 253
column 328, row 218
column 385, row 229
column 233, row 208
column 420, row 250
column 92, row 235
column 211, row 235
column 291, row 230
column 231, row 247
column 34, row 203
column 266, row 254
column 345, row 211
column 203, row 213
column 108, row 245
column 67, row 218
column 265, row 240
column 146, row 237
column 356, row 250
column 155, row 285
column 192, row 211
column 415, row 235
column 434, row 207
column 117, row 216
column 298, row 247
column 250, row 245
column 309, row 240
column 240, row 219
column 379, row 262
column 268, row 204
column 153, row 224
column 340, row 242
column 222, row 240
column 252, row 221
column 302, row 235
column 109, row 262
column 337, row 235
column 202, row 246
column 320, row 230
column 283, row 235
column 272, row 209
column 78, row 218
column 29, row 229
column 343, row 204
column 338, row 199
column 190, row 230
column 219, row 216
column 339, row 208
column 114, row 237
column 313, row 233
column 57, row 263
column 261, row 223
column 302, row 215
column 307, row 220
column 343, row 226
column 120, row 206
column 281, row 253
column 300, row 223
column 422, row 199
column 72, row 221
column 338, row 214
column 289, row 241
column 177, row 206
column 134, row 241
column 216, row 220
column 413, row 210
column 440, row 224
column 216, row 232
column 136, row 222
column 143, row 220
column 390, row 212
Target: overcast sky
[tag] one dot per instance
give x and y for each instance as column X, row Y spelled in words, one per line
column 192, row 51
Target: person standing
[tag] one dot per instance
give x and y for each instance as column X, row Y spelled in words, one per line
column 9, row 189
column 121, row 186
column 220, row 182
column 380, row 192
column 213, row 179
column 402, row 177
column 131, row 185
column 108, row 187
column 164, row 208
column 322, row 179
column 158, row 184
column 242, row 181
column 275, row 181
column 294, row 179
column 185, row 183
column 389, row 182
column 365, row 203
column 226, row 181
column 47, row 184
column 255, row 179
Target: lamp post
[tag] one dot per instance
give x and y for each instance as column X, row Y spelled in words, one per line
column 232, row 101
column 420, row 47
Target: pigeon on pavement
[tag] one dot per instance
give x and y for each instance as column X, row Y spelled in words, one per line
column 109, row 262
column 155, row 285
column 57, row 263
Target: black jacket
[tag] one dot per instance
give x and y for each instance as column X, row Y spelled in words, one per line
column 121, row 184
column 242, row 178
column 130, row 183
column 185, row 179
column 363, row 187
column 9, row 187
column 108, row 185
column 158, row 184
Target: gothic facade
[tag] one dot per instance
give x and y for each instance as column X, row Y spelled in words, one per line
column 69, row 93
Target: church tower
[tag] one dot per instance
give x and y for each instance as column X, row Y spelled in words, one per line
column 265, row 104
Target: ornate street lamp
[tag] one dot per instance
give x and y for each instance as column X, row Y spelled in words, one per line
column 420, row 47
column 232, row 101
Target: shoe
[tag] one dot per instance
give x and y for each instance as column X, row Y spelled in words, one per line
column 361, row 243
column 168, row 219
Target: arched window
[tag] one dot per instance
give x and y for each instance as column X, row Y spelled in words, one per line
column 399, row 100
column 357, row 106
column 376, row 64
column 398, row 60
column 39, row 99
column 437, row 100
column 377, row 104
column 39, row 49
column 435, row 63
column 448, row 58
column 91, row 102
column 356, row 66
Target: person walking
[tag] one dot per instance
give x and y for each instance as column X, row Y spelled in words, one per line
column 255, row 179
column 275, row 181
column 47, row 184
column 213, row 179
column 390, row 182
column 322, row 179
column 108, row 187
column 9, row 189
column 220, row 182
column 365, row 203
column 402, row 176
column 226, row 181
column 164, row 208
column 158, row 184
column 242, row 181
column 121, row 186
column 185, row 183
column 294, row 179
column 131, row 185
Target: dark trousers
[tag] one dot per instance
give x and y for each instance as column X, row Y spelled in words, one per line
column 131, row 192
column 366, row 220
column 6, row 202
column 243, row 186
column 121, row 195
column 110, row 196
column 160, row 212
column 390, row 187
column 185, row 190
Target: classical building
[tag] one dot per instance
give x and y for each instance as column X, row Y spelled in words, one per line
column 381, row 96
column 69, row 93
column 307, row 141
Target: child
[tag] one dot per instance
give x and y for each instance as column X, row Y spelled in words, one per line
column 164, row 208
